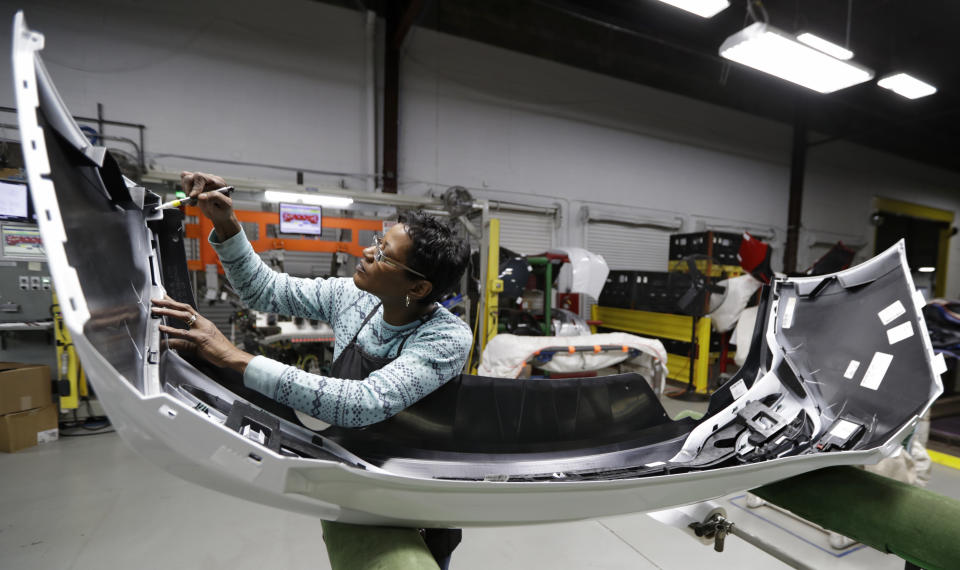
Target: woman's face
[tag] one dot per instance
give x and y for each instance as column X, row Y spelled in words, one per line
column 381, row 278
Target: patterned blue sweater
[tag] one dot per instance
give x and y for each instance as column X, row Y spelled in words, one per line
column 434, row 352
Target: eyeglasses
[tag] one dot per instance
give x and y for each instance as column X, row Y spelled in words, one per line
column 380, row 256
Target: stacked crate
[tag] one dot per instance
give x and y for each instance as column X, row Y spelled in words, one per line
column 652, row 298
column 715, row 253
column 655, row 291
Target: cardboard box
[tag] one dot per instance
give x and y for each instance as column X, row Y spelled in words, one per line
column 24, row 387
column 21, row 430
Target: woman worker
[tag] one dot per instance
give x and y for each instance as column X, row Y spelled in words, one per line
column 394, row 344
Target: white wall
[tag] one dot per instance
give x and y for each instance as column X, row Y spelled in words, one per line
column 279, row 83
column 488, row 119
column 284, row 84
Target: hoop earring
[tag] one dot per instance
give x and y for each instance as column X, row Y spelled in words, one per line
column 408, row 300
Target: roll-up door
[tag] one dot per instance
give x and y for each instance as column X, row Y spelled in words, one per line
column 628, row 242
column 630, row 248
column 526, row 232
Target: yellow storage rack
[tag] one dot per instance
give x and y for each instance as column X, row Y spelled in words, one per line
column 707, row 267
column 668, row 326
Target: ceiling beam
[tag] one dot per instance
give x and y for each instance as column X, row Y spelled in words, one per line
column 410, row 15
column 399, row 20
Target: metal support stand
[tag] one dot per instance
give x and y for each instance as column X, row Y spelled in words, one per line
column 717, row 527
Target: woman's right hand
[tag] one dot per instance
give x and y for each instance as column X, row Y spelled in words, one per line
column 214, row 205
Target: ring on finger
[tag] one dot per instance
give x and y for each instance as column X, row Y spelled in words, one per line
column 191, row 320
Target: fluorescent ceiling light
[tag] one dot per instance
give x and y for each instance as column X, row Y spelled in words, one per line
column 303, row 198
column 907, row 86
column 826, row 47
column 927, row 269
column 773, row 51
column 703, row 8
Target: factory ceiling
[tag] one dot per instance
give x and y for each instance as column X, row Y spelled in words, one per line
column 654, row 44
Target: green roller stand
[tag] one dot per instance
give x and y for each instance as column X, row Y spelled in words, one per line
column 921, row 527
column 355, row 547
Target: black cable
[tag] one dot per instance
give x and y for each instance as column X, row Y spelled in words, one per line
column 89, row 423
column 62, row 434
column 763, row 11
column 86, row 422
column 90, row 416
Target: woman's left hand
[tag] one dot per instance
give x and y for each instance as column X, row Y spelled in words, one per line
column 201, row 337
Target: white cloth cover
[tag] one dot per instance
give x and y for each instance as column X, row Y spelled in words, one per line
column 506, row 354
column 738, row 293
column 586, row 273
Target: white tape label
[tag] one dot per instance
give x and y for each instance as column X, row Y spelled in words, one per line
column 843, row 429
column 789, row 312
column 918, row 299
column 890, row 314
column 900, row 332
column 877, row 370
column 851, row 369
column 738, row 389
column 47, row 435
column 939, row 364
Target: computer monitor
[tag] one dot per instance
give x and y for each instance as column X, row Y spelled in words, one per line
column 15, row 203
column 301, row 219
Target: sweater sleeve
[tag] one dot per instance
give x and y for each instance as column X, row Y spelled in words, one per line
column 428, row 361
column 264, row 289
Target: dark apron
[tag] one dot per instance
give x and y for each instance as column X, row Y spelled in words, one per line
column 355, row 364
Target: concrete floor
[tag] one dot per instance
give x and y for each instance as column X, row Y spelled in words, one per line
column 90, row 503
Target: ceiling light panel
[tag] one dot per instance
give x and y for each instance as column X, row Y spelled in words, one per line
column 303, row 198
column 776, row 52
column 907, row 86
column 702, row 8
column 826, row 47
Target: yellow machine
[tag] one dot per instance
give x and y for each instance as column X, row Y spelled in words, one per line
column 494, row 283
column 488, row 314
column 71, row 380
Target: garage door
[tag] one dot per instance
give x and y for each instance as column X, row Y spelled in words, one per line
column 631, row 248
column 638, row 247
column 525, row 232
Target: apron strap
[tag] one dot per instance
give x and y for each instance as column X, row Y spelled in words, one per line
column 423, row 320
column 364, row 323
column 403, row 343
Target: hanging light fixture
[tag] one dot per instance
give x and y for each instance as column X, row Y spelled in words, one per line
column 304, row 198
column 778, row 53
column 907, row 86
column 825, row 46
column 702, row 8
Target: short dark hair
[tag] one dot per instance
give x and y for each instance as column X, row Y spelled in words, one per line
column 437, row 252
